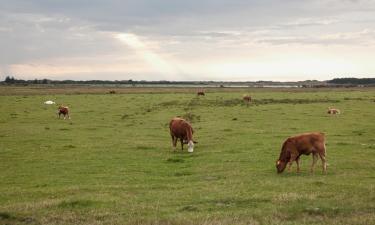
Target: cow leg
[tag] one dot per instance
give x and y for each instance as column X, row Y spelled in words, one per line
column 315, row 158
column 324, row 163
column 182, row 144
column 174, row 142
column 292, row 158
column 297, row 162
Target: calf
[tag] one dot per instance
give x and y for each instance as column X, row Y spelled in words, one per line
column 303, row 144
column 181, row 129
column 64, row 110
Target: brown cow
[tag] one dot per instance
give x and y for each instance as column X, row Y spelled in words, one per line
column 200, row 92
column 63, row 110
column 333, row 111
column 247, row 99
column 181, row 129
column 303, row 144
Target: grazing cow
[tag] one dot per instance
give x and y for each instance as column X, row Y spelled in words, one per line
column 333, row 111
column 200, row 92
column 181, row 129
column 303, row 144
column 247, row 99
column 63, row 110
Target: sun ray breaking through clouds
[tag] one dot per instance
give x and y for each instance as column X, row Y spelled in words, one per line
column 164, row 69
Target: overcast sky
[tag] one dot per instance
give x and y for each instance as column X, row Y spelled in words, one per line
column 237, row 40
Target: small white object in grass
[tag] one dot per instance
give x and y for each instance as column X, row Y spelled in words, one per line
column 49, row 102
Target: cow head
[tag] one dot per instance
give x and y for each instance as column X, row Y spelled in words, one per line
column 280, row 166
column 190, row 146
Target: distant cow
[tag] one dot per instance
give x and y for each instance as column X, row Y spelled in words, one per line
column 201, row 92
column 247, row 99
column 333, row 111
column 181, row 129
column 303, row 144
column 64, row 110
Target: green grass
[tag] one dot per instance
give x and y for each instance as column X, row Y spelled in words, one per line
column 112, row 163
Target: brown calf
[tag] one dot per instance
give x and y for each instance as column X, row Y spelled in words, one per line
column 181, row 129
column 303, row 144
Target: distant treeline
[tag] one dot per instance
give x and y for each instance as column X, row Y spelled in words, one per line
column 12, row 80
column 354, row 81
column 343, row 82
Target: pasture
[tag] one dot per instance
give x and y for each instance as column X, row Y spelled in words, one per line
column 112, row 163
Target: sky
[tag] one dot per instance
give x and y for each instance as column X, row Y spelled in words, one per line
column 219, row 40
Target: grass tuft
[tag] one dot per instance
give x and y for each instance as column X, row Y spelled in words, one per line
column 191, row 117
column 71, row 204
column 183, row 173
column 189, row 208
column 174, row 160
column 5, row 215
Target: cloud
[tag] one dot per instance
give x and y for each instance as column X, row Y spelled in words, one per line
column 168, row 39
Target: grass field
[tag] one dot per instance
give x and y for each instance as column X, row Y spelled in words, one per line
column 112, row 163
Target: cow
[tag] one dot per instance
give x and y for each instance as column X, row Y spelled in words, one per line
column 303, row 144
column 181, row 129
column 247, row 99
column 64, row 110
column 200, row 92
column 333, row 111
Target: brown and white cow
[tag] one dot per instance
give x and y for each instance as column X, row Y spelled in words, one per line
column 64, row 110
column 333, row 111
column 181, row 129
column 303, row 144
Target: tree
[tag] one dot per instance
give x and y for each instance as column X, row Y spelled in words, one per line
column 9, row 80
